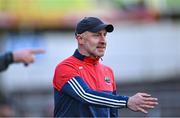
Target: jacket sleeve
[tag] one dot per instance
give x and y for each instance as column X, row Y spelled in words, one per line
column 78, row 89
column 5, row 60
column 114, row 111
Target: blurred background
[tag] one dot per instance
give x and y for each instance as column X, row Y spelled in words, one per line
column 143, row 50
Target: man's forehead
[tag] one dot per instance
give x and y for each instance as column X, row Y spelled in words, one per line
column 101, row 31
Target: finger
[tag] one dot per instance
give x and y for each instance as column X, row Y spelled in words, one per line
column 145, row 95
column 151, row 103
column 37, row 51
column 29, row 59
column 149, row 99
column 32, row 59
column 147, row 106
column 142, row 110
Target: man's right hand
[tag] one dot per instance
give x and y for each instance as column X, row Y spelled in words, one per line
column 26, row 56
column 141, row 102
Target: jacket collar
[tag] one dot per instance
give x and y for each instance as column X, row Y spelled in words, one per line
column 84, row 58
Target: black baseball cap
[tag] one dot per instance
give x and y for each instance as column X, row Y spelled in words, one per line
column 92, row 24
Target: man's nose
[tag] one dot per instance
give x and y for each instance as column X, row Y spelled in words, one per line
column 103, row 38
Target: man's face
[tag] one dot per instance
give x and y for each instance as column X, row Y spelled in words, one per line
column 94, row 44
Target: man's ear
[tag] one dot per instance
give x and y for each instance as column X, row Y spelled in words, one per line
column 80, row 39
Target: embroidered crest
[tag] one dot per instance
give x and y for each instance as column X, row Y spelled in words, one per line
column 107, row 79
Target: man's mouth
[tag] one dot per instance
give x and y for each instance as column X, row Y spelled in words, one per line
column 101, row 47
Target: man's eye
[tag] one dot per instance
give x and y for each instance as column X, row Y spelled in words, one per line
column 96, row 35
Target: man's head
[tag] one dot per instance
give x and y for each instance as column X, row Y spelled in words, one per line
column 91, row 36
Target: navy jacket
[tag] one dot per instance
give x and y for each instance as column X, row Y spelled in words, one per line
column 5, row 60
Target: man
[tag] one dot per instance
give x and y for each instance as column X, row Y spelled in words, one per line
column 86, row 88
column 25, row 56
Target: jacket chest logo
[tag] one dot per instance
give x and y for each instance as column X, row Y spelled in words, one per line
column 107, row 79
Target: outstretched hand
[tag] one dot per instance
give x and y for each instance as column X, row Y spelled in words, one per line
column 26, row 56
column 141, row 102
